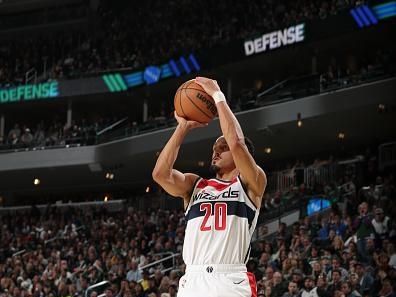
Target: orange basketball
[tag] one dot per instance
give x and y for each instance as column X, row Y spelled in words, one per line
column 193, row 103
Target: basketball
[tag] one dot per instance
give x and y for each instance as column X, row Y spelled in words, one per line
column 193, row 103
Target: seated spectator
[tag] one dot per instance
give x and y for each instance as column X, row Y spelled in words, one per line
column 134, row 273
column 365, row 280
column 335, row 281
column 309, row 288
column 279, row 285
column 381, row 225
column 292, row 290
column 386, row 289
column 347, row 290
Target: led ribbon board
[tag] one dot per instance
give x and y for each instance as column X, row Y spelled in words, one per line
column 116, row 82
column 366, row 16
column 29, row 92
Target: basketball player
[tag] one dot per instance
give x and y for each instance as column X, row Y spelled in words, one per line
column 221, row 212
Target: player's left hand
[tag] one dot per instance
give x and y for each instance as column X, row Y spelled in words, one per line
column 209, row 85
column 186, row 124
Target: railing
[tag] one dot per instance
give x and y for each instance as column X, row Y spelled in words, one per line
column 319, row 175
column 95, row 286
column 285, row 180
column 386, row 155
column 31, row 76
column 108, row 128
column 112, row 206
column 282, row 180
column 155, row 263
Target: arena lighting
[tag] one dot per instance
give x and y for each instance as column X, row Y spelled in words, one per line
column 267, row 150
column 341, row 135
column 299, row 121
column 36, row 181
column 109, row 175
column 201, row 163
column 148, row 189
column 381, row 108
column 106, row 198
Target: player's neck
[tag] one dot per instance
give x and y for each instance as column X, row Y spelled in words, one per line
column 227, row 176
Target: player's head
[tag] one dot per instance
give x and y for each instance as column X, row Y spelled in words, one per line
column 222, row 158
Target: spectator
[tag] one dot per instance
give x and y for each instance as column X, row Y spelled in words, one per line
column 279, row 285
column 292, row 290
column 335, row 281
column 309, row 289
column 336, row 266
column 381, row 224
column 347, row 290
column 365, row 281
column 386, row 289
column 364, row 230
column 134, row 273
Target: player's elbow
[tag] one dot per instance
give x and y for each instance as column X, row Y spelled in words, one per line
column 157, row 175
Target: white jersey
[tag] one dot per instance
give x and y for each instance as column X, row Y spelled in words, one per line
column 220, row 222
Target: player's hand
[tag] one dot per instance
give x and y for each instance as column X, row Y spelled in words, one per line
column 188, row 124
column 209, row 85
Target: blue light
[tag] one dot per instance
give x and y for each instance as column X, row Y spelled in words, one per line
column 362, row 16
column 134, row 79
column 166, row 71
column 185, row 65
column 385, row 10
column 174, row 68
column 356, row 18
column 194, row 62
column 370, row 14
column 152, row 74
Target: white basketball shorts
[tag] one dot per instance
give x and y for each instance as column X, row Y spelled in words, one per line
column 217, row 281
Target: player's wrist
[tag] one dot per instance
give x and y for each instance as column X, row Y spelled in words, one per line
column 218, row 97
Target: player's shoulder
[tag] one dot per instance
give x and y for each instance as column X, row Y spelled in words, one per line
column 192, row 179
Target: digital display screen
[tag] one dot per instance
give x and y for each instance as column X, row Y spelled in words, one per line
column 316, row 205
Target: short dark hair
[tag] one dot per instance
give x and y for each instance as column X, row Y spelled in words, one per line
column 249, row 144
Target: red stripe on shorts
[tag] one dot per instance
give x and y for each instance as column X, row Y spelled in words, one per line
column 252, row 283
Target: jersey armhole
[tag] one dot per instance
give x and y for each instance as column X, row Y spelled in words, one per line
column 191, row 192
column 246, row 192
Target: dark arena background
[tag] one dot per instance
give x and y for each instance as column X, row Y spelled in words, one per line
column 86, row 105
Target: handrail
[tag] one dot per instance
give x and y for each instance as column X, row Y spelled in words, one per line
column 64, row 205
column 272, row 88
column 111, row 126
column 30, row 74
column 102, row 283
column 386, row 154
column 19, row 253
column 61, row 237
column 159, row 261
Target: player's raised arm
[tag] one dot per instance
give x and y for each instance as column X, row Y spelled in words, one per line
column 174, row 182
column 252, row 175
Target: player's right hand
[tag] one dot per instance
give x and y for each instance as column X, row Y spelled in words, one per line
column 186, row 124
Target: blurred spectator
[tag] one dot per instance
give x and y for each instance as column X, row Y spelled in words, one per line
column 364, row 231
column 292, row 290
